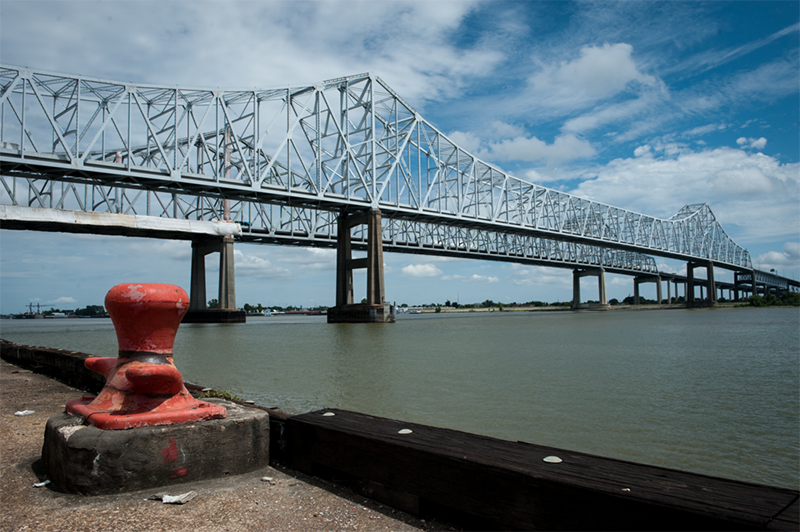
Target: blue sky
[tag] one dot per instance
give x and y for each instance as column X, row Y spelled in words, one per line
column 645, row 106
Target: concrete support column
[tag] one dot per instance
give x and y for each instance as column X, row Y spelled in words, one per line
column 197, row 290
column 602, row 299
column 576, row 289
column 375, row 310
column 601, row 287
column 712, row 286
column 375, row 291
column 635, row 290
column 227, row 279
column 344, row 268
column 689, row 284
column 659, row 294
column 226, row 296
column 669, row 294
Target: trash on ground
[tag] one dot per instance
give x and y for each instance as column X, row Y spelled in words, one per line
column 174, row 499
column 268, row 479
column 552, row 459
column 24, row 412
column 41, row 484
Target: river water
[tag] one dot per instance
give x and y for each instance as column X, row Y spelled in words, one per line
column 713, row 391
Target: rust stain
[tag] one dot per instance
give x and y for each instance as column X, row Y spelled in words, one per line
column 170, row 452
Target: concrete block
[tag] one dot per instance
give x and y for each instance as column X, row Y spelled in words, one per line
column 81, row 458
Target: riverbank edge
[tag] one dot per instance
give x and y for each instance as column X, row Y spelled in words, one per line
column 379, row 468
column 568, row 308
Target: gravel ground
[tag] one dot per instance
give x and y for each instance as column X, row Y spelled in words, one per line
column 290, row 501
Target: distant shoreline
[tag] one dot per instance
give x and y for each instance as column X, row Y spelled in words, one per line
column 454, row 310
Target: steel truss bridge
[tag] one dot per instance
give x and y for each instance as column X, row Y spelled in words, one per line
column 286, row 162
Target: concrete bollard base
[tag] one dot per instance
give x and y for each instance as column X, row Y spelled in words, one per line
column 361, row 313
column 81, row 458
column 215, row 316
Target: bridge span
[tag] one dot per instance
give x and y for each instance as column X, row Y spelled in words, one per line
column 307, row 164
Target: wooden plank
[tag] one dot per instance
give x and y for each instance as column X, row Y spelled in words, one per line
column 509, row 483
column 789, row 519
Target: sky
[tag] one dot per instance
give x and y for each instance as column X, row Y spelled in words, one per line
column 647, row 106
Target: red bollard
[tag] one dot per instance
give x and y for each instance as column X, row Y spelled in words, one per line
column 143, row 386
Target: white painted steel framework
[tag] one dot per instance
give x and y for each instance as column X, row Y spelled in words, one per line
column 281, row 224
column 301, row 153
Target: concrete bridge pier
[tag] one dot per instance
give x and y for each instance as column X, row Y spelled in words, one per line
column 744, row 282
column 198, row 308
column 647, row 279
column 600, row 273
column 711, row 301
column 677, row 283
column 375, row 310
column 756, row 291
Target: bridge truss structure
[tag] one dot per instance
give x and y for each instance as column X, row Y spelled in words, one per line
column 290, row 160
column 280, row 224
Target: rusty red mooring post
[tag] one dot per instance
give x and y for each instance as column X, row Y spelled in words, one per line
column 143, row 386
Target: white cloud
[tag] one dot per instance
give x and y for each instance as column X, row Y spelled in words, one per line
column 174, row 250
column 502, row 130
column 474, row 278
column 255, row 266
column 758, row 144
column 744, row 88
column 716, row 57
column 406, row 43
column 753, row 196
column 284, row 262
column 744, row 180
column 539, row 276
column 599, row 72
column 60, row 301
column 467, row 141
column 781, row 261
column 563, row 148
column 618, row 112
column 704, row 130
column 305, row 258
column 420, row 270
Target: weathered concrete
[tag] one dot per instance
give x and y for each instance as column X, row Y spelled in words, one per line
column 691, row 282
column 81, row 458
column 647, row 279
column 198, row 309
column 602, row 303
column 107, row 223
column 235, row 503
column 375, row 310
column 361, row 313
column 214, row 315
column 67, row 366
